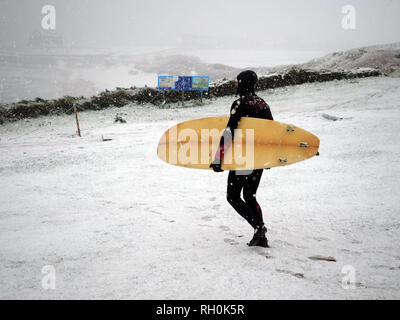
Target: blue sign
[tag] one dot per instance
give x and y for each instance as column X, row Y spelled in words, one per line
column 183, row 83
column 200, row 83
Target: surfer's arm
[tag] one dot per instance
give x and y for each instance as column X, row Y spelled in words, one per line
column 269, row 114
column 227, row 136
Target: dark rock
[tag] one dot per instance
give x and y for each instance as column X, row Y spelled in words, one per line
column 322, row 258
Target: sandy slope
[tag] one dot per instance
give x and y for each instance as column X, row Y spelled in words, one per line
column 116, row 222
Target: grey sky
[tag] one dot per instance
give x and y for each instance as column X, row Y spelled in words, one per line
column 296, row 24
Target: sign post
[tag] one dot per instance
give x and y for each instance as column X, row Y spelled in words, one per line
column 76, row 119
column 75, row 110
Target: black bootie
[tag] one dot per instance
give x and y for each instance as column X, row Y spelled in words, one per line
column 259, row 238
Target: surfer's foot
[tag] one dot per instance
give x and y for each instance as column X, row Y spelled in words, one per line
column 259, row 238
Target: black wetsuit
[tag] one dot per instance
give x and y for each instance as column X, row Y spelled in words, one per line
column 252, row 106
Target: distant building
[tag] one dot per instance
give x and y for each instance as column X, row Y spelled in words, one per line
column 45, row 39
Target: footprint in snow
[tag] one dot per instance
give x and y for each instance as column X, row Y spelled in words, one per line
column 231, row 241
column 207, row 218
column 295, row 274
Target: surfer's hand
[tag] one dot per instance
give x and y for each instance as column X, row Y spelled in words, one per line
column 216, row 166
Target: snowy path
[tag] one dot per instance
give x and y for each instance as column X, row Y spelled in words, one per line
column 116, row 222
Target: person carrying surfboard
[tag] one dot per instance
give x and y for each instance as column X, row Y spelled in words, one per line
column 248, row 105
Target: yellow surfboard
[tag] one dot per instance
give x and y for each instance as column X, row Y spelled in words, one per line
column 257, row 144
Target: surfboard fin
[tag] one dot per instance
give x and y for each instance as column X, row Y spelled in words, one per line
column 282, row 160
column 303, row 144
column 289, row 128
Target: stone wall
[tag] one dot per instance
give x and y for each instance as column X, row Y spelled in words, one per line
column 121, row 97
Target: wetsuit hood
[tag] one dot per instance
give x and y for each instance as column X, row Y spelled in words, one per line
column 247, row 81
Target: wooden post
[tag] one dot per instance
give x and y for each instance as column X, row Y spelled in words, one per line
column 77, row 121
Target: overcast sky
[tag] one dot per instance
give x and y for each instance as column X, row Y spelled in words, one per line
column 119, row 23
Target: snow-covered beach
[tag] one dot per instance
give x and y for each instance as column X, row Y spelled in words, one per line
column 116, row 222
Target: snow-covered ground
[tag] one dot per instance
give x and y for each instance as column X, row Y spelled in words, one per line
column 116, row 222
column 385, row 58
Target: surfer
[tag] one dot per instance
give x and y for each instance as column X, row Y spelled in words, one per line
column 248, row 105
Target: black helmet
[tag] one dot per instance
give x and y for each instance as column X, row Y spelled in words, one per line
column 247, row 81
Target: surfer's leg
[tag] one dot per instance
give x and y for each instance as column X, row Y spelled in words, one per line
column 249, row 194
column 235, row 186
